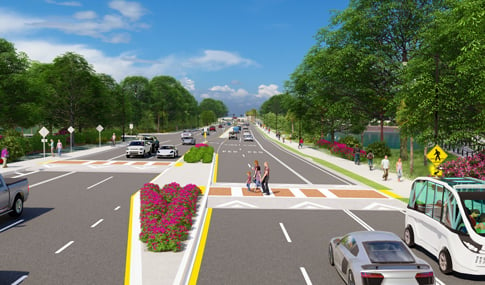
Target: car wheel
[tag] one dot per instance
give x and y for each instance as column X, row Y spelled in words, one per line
column 350, row 278
column 409, row 236
column 330, row 255
column 17, row 207
column 444, row 260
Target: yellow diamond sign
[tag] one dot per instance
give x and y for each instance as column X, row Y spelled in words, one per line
column 437, row 155
column 435, row 171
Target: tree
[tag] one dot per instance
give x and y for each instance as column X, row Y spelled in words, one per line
column 217, row 106
column 207, row 117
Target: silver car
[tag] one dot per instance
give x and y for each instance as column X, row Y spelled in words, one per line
column 167, row 151
column 376, row 257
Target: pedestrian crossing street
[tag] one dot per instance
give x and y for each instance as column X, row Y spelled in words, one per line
column 287, row 192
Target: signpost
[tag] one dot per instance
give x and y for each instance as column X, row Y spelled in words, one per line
column 99, row 128
column 131, row 129
column 70, row 130
column 436, row 155
column 44, row 132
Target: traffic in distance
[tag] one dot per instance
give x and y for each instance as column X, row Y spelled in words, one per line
column 441, row 243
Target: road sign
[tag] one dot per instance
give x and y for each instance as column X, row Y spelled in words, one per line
column 435, row 170
column 437, row 155
column 44, row 132
column 99, row 128
column 70, row 129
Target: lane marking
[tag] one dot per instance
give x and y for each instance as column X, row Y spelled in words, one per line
column 20, row 280
column 194, row 275
column 25, row 174
column 359, row 220
column 288, row 239
column 214, row 179
column 117, row 208
column 64, row 247
column 52, row 179
column 11, row 225
column 102, row 181
column 97, row 223
column 305, row 276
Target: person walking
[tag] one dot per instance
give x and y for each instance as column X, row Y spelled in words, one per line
column 248, row 181
column 59, row 148
column 300, row 143
column 399, row 169
column 370, row 159
column 385, row 167
column 113, row 139
column 257, row 175
column 4, row 156
column 264, row 184
column 357, row 154
column 52, row 147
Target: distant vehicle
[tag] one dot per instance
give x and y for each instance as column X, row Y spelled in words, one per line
column 220, row 126
column 212, row 128
column 236, row 129
column 439, row 219
column 138, row 148
column 186, row 133
column 13, row 193
column 232, row 136
column 248, row 137
column 188, row 140
column 245, row 127
column 376, row 257
column 167, row 151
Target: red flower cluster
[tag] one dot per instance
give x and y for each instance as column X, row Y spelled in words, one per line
column 201, row 145
column 472, row 166
column 166, row 215
column 340, row 149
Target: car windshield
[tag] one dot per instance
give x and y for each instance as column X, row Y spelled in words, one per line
column 388, row 252
column 166, row 147
column 136, row 143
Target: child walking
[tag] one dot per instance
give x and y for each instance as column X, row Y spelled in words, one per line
column 248, row 181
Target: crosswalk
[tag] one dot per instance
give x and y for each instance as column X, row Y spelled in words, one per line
column 108, row 162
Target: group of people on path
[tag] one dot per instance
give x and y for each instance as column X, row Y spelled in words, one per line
column 384, row 163
column 58, row 146
column 258, row 179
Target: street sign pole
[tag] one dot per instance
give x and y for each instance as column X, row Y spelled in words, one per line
column 44, row 132
column 99, row 128
column 71, row 130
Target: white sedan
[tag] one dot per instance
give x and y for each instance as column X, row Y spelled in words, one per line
column 167, row 151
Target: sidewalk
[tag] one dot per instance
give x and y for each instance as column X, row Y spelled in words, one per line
column 397, row 189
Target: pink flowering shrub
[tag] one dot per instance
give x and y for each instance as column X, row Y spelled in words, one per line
column 340, row 149
column 472, row 166
column 201, row 145
column 166, row 215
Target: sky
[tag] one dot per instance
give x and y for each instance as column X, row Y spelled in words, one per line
column 238, row 51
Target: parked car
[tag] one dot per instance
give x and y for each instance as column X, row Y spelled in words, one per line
column 154, row 141
column 212, row 128
column 13, row 193
column 167, row 151
column 138, row 148
column 232, row 135
column 376, row 257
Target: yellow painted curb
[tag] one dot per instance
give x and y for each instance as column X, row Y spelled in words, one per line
column 200, row 251
column 128, row 243
column 215, row 168
column 392, row 194
column 179, row 164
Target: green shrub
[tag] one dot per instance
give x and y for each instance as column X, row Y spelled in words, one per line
column 350, row 141
column 380, row 149
column 196, row 154
column 207, row 157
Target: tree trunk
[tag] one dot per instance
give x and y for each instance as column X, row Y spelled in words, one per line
column 411, row 160
column 403, row 147
column 382, row 127
column 425, row 162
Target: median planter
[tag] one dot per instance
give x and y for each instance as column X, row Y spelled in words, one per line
column 199, row 152
column 166, row 215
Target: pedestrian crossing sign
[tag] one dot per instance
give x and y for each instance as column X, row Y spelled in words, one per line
column 435, row 171
column 437, row 155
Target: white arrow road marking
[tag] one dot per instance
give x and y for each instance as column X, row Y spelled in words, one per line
column 236, row 204
column 309, row 205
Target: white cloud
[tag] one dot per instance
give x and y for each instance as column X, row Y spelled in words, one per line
column 65, row 3
column 188, row 83
column 226, row 91
column 13, row 23
column 266, row 91
column 218, row 59
column 85, row 15
column 132, row 10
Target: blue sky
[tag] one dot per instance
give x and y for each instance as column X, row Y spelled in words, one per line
column 239, row 51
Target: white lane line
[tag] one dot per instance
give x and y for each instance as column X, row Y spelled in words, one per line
column 25, row 174
column 64, row 247
column 20, row 280
column 305, row 276
column 113, row 158
column 285, row 165
column 97, row 223
column 102, row 181
column 439, row 282
column 11, row 225
column 359, row 220
column 52, row 179
column 117, row 208
column 288, row 239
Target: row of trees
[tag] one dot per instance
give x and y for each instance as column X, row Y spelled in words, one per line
column 68, row 92
column 419, row 63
